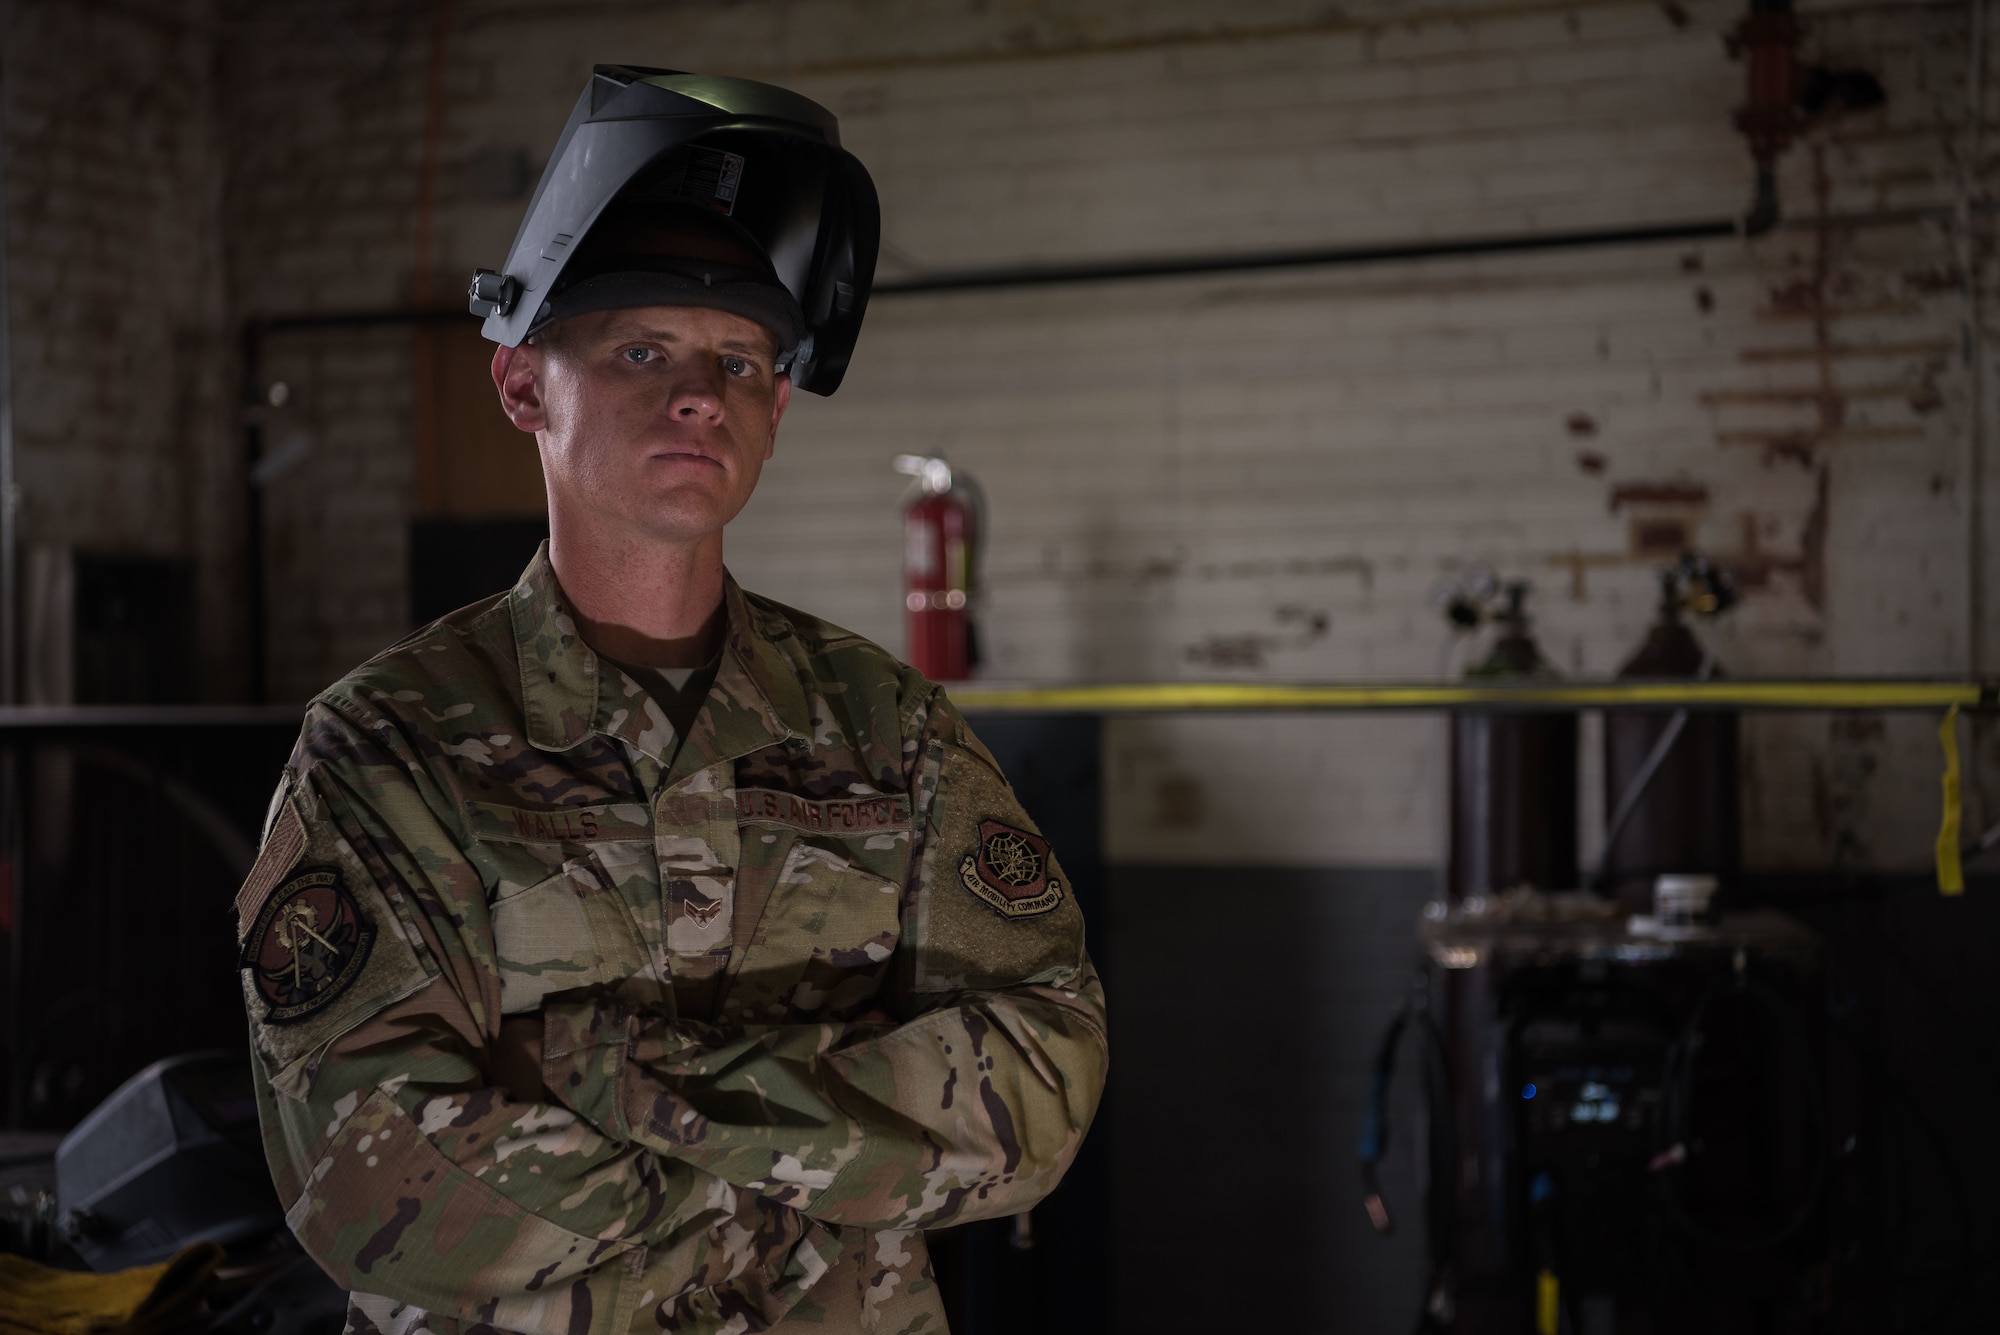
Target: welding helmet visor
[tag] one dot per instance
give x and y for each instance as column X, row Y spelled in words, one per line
column 781, row 223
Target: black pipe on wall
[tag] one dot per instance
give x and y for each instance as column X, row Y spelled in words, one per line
column 1181, row 266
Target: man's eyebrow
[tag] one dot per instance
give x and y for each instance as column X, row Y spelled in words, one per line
column 618, row 333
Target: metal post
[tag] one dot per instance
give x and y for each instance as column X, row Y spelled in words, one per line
column 13, row 891
column 10, row 649
column 1968, row 202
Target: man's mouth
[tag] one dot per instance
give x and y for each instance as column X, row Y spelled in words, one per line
column 689, row 453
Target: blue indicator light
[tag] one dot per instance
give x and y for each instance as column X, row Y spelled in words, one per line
column 1527, row 1091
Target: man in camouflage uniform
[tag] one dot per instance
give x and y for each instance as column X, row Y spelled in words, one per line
column 591, row 1002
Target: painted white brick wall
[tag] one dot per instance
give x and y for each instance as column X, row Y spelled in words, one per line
column 1191, row 474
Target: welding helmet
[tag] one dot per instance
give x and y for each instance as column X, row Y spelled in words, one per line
column 672, row 189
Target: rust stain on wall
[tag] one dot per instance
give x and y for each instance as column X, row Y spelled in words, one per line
column 1754, row 565
column 1302, row 625
column 1358, row 566
column 1229, row 651
column 1657, row 538
column 1925, row 397
column 1933, row 280
column 1812, row 542
column 1676, row 492
column 1789, row 448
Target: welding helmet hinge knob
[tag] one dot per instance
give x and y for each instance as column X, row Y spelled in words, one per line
column 491, row 293
column 795, row 360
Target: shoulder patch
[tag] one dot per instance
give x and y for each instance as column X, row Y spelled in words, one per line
column 284, row 845
column 1010, row 871
column 994, row 908
column 306, row 945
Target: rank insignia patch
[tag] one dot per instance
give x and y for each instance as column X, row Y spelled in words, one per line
column 1011, row 871
column 306, row 946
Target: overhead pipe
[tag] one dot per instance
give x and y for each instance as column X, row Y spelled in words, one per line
column 1388, row 252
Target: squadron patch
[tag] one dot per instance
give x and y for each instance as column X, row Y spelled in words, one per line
column 307, row 945
column 1010, row 872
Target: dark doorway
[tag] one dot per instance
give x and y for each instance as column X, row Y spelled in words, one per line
column 458, row 561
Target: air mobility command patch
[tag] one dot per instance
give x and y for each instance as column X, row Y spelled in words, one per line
column 1011, row 871
column 306, row 946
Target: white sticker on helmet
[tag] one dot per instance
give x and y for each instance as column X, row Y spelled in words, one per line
column 706, row 178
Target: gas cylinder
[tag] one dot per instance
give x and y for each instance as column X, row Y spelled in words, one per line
column 1687, row 816
column 1513, row 776
column 941, row 538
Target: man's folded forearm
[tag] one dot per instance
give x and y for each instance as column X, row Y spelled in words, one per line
column 962, row 1113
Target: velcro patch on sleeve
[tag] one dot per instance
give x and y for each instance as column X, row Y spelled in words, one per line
column 284, row 846
column 995, row 908
column 325, row 952
column 307, row 945
column 320, row 948
column 1010, row 872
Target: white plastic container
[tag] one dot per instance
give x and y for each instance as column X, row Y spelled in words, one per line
column 1680, row 899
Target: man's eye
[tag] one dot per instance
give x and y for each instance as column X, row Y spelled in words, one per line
column 736, row 366
column 638, row 355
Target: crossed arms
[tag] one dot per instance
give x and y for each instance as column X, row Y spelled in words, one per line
column 663, row 1161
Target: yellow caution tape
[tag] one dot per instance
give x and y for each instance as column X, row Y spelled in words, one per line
column 1950, row 870
column 1548, row 1304
column 1189, row 697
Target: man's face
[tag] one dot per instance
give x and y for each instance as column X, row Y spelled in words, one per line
column 654, row 422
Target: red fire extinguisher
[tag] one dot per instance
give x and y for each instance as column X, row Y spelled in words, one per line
column 941, row 536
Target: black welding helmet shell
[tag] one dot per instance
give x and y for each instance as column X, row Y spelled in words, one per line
column 764, row 162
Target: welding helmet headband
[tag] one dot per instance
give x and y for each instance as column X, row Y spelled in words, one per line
column 784, row 223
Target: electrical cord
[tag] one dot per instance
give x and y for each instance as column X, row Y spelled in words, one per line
column 1441, row 1221
column 1874, row 1067
column 1960, row 1271
column 1854, row 950
column 1677, row 1115
column 1874, row 1062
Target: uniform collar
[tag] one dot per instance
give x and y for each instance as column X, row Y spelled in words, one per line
column 566, row 698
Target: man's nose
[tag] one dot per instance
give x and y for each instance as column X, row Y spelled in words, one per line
column 696, row 395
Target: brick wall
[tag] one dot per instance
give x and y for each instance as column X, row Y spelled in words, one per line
column 122, row 353
column 1255, row 476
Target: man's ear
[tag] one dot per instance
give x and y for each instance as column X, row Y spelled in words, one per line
column 779, row 402
column 517, row 374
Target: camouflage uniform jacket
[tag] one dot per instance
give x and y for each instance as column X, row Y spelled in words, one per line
column 489, row 820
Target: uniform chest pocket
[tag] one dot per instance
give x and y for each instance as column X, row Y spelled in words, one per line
column 571, row 930
column 822, row 944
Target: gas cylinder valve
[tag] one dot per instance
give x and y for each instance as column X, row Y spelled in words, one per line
column 1696, row 585
column 1480, row 597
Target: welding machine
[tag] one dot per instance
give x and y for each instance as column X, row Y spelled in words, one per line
column 1628, row 1130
